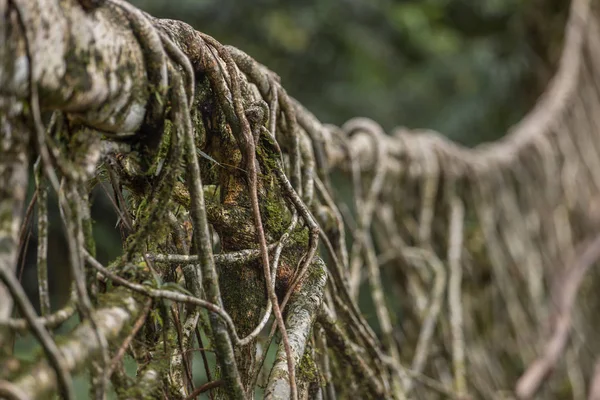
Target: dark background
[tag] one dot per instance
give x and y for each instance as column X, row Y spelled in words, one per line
column 468, row 68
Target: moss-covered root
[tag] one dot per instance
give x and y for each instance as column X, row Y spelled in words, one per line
column 116, row 311
column 301, row 313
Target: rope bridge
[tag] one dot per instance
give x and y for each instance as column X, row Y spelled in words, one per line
column 472, row 258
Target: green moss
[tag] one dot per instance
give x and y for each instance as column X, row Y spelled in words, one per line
column 307, row 369
column 317, row 272
column 275, row 216
column 163, row 149
column 155, row 233
column 242, row 293
column 137, row 392
column 90, row 243
column 300, row 237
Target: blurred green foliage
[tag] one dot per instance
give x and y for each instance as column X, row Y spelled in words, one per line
column 468, row 68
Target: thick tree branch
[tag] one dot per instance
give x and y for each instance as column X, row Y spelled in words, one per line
column 88, row 64
column 81, row 347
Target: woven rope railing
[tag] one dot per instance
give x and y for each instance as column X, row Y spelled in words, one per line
column 473, row 259
column 509, row 220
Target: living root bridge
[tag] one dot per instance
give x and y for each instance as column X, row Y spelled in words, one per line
column 203, row 149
